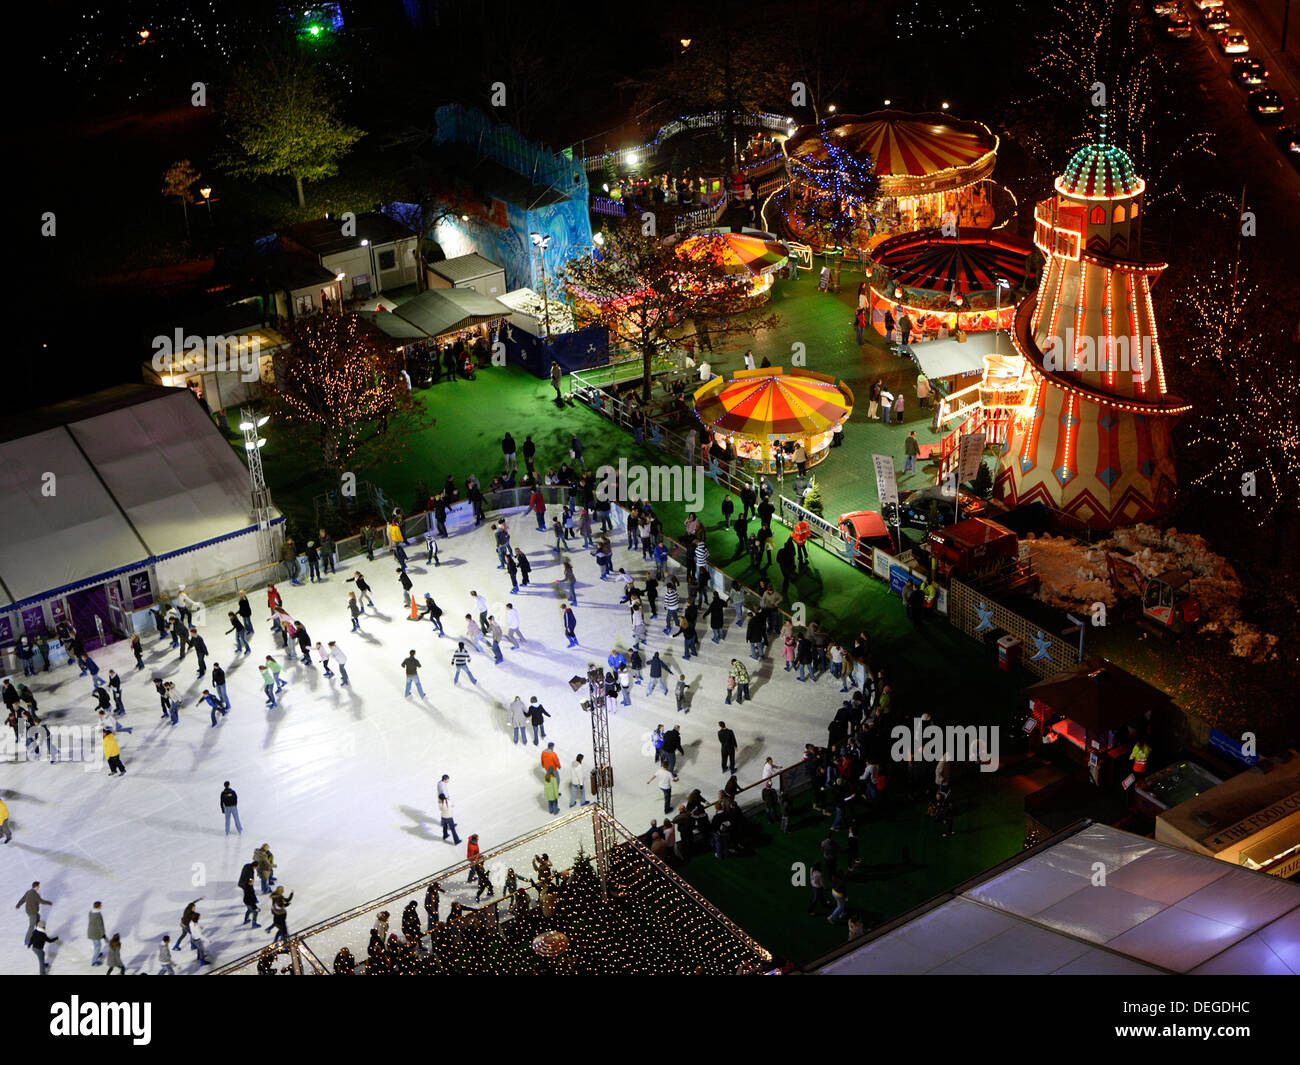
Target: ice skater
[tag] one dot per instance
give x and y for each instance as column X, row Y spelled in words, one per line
column 459, row 660
column 570, row 624
column 340, row 660
column 412, row 666
column 230, row 807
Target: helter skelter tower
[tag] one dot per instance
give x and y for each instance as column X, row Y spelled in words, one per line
column 1091, row 436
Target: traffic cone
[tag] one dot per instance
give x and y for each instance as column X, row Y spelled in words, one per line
column 415, row 610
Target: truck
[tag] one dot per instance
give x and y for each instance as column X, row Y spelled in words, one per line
column 982, row 553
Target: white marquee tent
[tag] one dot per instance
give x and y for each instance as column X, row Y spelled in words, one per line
column 1100, row 902
column 137, row 478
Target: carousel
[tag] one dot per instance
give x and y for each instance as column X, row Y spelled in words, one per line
column 748, row 263
column 928, row 165
column 949, row 284
column 767, row 415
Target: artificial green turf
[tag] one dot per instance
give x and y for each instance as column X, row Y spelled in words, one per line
column 904, row 861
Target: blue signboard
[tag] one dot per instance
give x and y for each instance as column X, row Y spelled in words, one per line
column 899, row 578
column 1222, row 742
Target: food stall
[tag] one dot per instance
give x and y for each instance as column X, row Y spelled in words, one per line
column 1085, row 713
column 1252, row 819
column 765, row 412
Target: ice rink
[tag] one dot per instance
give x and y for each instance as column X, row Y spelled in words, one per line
column 341, row 782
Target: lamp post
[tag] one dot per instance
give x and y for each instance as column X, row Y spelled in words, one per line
column 541, row 242
column 249, row 425
column 206, row 193
column 1001, row 283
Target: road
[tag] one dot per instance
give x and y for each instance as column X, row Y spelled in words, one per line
column 1247, row 149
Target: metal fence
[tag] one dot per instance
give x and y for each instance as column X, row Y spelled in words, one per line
column 635, row 874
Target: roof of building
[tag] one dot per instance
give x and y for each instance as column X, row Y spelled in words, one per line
column 324, row 236
column 440, row 311
column 139, row 472
column 292, row 272
column 392, row 326
column 465, row 268
column 1100, row 171
column 1160, row 910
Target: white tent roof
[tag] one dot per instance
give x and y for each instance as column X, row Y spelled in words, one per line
column 529, row 302
column 75, row 531
column 950, row 357
column 139, row 480
column 1161, row 910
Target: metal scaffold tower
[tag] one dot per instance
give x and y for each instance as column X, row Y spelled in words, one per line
column 249, row 424
column 602, row 772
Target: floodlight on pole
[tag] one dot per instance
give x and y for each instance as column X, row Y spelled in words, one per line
column 541, row 242
column 249, row 424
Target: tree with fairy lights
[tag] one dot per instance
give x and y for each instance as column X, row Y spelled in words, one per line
column 844, row 186
column 1247, row 431
column 342, row 380
column 649, row 296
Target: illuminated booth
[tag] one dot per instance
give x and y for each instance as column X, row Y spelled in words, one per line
column 762, row 411
column 927, row 166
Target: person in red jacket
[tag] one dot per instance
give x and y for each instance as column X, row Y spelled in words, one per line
column 273, row 600
column 471, row 852
column 538, row 506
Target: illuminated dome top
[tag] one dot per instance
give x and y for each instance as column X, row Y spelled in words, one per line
column 1100, row 171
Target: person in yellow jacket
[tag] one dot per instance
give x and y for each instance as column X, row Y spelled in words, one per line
column 4, row 822
column 114, row 754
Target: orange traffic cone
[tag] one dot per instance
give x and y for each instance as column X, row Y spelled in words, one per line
column 415, row 610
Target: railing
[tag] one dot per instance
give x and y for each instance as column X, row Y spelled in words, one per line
column 702, row 218
column 571, row 840
column 710, row 119
column 608, row 206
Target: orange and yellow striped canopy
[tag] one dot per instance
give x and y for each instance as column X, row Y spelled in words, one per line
column 769, row 404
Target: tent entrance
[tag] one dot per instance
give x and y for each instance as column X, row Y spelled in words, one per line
column 97, row 614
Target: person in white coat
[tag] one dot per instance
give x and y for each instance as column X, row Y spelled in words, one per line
column 340, row 660
column 578, row 783
column 512, row 625
column 519, row 720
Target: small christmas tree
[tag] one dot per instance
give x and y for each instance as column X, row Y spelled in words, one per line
column 983, row 482
column 812, row 499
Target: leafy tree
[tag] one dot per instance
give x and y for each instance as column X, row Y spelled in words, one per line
column 343, row 379
column 646, row 292
column 178, row 180
column 735, row 64
column 282, row 121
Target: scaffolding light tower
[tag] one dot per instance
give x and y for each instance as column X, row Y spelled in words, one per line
column 249, row 424
column 602, row 769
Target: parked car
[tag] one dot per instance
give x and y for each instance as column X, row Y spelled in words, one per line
column 1178, row 25
column 915, row 507
column 1233, row 42
column 1205, row 5
column 1165, row 8
column 1216, row 18
column 865, row 530
column 1288, row 139
column 1265, row 105
column 1249, row 71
